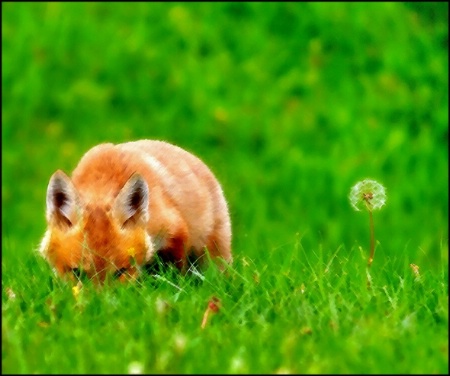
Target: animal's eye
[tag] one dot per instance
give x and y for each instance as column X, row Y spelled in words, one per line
column 76, row 272
column 120, row 272
column 79, row 274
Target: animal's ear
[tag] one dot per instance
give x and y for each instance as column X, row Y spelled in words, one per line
column 131, row 204
column 62, row 200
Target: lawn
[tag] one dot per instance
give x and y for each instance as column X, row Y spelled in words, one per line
column 290, row 104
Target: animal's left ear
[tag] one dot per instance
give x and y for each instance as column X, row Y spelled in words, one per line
column 62, row 201
column 131, row 204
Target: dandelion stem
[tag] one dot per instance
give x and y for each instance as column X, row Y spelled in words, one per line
column 372, row 240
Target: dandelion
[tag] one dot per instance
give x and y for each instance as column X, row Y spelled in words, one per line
column 132, row 256
column 131, row 252
column 371, row 195
column 76, row 289
column 367, row 194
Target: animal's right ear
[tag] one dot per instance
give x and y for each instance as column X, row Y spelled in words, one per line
column 62, row 201
column 131, row 204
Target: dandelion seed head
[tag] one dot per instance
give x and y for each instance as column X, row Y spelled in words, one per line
column 367, row 194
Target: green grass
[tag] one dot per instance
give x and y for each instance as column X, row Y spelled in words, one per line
column 293, row 311
column 290, row 104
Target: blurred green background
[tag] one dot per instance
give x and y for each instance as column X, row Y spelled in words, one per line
column 290, row 104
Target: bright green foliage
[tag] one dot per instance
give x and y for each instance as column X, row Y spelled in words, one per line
column 289, row 104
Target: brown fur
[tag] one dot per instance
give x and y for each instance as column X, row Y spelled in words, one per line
column 127, row 202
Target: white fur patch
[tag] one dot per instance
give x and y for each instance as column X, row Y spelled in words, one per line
column 149, row 247
column 45, row 242
column 158, row 167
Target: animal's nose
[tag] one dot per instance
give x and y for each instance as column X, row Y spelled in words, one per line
column 119, row 272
